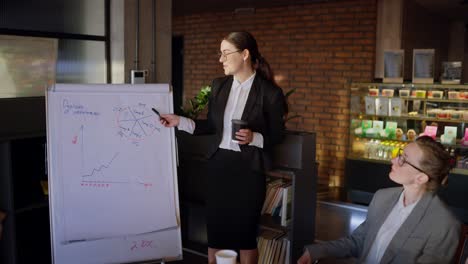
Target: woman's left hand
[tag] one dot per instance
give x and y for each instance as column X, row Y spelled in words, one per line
column 245, row 136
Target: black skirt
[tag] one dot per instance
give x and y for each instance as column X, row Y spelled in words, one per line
column 235, row 196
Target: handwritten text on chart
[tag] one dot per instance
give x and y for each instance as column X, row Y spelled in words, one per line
column 109, row 184
column 100, row 185
column 76, row 109
column 135, row 122
column 141, row 244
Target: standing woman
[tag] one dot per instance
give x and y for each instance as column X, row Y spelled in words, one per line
column 407, row 224
column 236, row 183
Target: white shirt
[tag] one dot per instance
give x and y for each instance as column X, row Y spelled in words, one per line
column 388, row 230
column 234, row 109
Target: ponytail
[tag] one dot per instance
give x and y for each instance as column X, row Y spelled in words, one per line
column 264, row 69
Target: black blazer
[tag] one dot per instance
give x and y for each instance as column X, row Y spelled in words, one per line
column 264, row 111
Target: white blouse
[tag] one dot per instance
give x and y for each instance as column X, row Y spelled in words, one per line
column 388, row 230
column 234, row 109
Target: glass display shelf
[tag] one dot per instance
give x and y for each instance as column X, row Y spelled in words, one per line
column 408, row 117
column 413, row 85
column 386, row 116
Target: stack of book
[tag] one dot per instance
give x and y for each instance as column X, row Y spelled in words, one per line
column 273, row 248
column 278, row 200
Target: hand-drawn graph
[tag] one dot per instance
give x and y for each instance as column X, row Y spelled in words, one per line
column 99, row 175
column 136, row 122
column 95, row 177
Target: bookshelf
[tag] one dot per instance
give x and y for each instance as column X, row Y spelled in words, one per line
column 296, row 156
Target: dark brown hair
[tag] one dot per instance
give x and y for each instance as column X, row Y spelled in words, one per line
column 436, row 161
column 244, row 40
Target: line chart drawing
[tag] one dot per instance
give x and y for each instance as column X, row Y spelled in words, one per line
column 101, row 167
column 102, row 174
column 98, row 178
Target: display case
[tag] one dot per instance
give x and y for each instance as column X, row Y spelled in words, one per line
column 385, row 117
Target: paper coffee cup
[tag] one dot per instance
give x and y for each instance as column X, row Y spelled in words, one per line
column 237, row 125
column 226, row 256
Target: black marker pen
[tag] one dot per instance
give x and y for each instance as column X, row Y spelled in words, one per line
column 156, row 111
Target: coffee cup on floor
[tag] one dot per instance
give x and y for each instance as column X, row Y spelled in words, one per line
column 226, row 256
column 237, row 125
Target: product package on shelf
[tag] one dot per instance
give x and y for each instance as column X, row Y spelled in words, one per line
column 395, row 107
column 451, row 72
column 450, row 135
column 381, row 106
column 370, row 105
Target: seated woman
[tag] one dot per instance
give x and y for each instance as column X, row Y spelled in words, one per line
column 407, row 224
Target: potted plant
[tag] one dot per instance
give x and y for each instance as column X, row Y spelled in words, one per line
column 188, row 145
column 197, row 104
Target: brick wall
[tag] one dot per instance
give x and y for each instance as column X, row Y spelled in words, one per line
column 317, row 48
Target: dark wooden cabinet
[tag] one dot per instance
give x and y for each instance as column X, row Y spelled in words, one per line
column 26, row 233
column 364, row 178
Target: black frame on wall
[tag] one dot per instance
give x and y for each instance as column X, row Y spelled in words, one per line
column 26, row 236
column 69, row 36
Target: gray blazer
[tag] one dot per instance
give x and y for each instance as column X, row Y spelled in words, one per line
column 430, row 234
